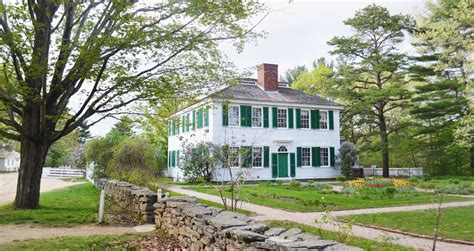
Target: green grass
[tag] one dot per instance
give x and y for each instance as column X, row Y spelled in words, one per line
column 102, row 242
column 330, row 235
column 455, row 223
column 311, row 200
column 62, row 207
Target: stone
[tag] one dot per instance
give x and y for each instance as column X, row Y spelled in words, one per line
column 229, row 219
column 145, row 228
column 274, row 231
column 314, row 244
column 303, row 237
column 276, row 240
column 247, row 236
column 290, row 232
column 258, row 228
column 342, row 247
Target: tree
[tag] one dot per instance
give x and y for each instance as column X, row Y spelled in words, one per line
column 319, row 81
column 346, row 158
column 372, row 80
column 291, row 75
column 200, row 161
column 107, row 54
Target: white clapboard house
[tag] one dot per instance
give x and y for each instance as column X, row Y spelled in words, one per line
column 290, row 134
column 9, row 160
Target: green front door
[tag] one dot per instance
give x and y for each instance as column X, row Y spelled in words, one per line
column 283, row 165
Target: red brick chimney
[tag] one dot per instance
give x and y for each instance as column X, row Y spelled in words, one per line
column 268, row 77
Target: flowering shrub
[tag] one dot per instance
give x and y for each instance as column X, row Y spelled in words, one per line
column 378, row 182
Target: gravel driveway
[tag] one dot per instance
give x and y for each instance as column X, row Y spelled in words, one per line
column 8, row 183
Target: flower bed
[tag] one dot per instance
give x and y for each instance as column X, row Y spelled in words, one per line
column 378, row 182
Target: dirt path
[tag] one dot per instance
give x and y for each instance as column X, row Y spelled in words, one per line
column 267, row 213
column 8, row 182
column 9, row 233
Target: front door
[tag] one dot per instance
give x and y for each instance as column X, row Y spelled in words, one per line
column 282, row 164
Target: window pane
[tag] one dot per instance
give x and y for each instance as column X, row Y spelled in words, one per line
column 306, row 156
column 234, row 157
column 257, row 157
column 256, row 116
column 282, row 118
column 304, row 119
column 323, row 119
column 324, row 156
column 234, row 116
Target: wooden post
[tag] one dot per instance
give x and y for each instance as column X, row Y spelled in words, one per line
column 101, row 206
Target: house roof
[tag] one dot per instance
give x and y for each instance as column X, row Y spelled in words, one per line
column 284, row 95
column 5, row 153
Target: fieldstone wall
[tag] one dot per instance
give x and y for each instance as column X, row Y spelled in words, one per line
column 136, row 199
column 201, row 227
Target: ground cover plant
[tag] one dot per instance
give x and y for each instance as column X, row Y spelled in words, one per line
column 448, row 185
column 455, row 223
column 68, row 206
column 320, row 197
column 351, row 240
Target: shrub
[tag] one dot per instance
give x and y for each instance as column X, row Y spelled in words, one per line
column 266, row 183
column 413, row 179
column 454, row 181
column 389, row 192
column 346, row 158
column 451, row 189
column 295, row 185
column 426, row 185
column 278, row 182
column 341, row 178
column 200, row 161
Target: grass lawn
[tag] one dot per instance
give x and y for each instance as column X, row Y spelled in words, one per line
column 311, row 200
column 62, row 207
column 455, row 223
column 352, row 240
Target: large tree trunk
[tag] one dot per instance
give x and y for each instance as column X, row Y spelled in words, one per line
column 384, row 142
column 33, row 155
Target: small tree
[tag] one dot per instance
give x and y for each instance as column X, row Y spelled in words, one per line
column 200, row 161
column 346, row 158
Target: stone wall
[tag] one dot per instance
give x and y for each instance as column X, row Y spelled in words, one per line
column 201, row 227
column 136, row 199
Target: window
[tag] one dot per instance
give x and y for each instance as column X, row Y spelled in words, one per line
column 204, row 118
column 324, row 156
column 306, row 156
column 282, row 149
column 304, row 118
column 282, row 118
column 234, row 116
column 256, row 117
column 323, row 119
column 257, row 156
column 234, row 159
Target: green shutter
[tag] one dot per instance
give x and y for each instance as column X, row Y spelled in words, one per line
column 266, row 156
column 274, row 117
column 246, row 156
column 313, row 119
column 183, row 121
column 317, row 119
column 331, row 120
column 173, row 160
column 245, row 116
column 200, row 118
column 169, row 158
column 298, row 159
column 317, row 156
column 187, row 122
column 290, row 117
column 206, row 122
column 332, row 156
column 225, row 115
column 194, row 121
column 292, row 165
column 298, row 118
column 274, row 165
column 265, row 117
column 177, row 158
column 314, row 156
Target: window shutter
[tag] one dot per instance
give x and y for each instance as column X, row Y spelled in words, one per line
column 332, row 156
column 298, row 118
column 169, row 158
column 194, row 121
column 292, row 165
column 314, row 156
column 266, row 156
column 318, row 156
column 249, row 116
column 225, row 115
column 290, row 117
column 265, row 117
column 274, row 117
column 173, row 160
column 183, row 122
column 313, row 119
column 246, row 156
column 187, row 122
column 298, row 159
column 331, row 120
column 177, row 158
column 274, row 165
column 317, row 119
column 245, row 116
column 200, row 118
column 206, row 123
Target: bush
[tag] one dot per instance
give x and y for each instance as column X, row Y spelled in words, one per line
column 295, row 185
column 200, row 161
column 426, row 185
column 413, row 179
column 341, row 178
column 346, row 158
column 454, row 181
column 389, row 192
column 266, row 183
column 451, row 189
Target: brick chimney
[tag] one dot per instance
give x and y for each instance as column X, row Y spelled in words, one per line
column 268, row 77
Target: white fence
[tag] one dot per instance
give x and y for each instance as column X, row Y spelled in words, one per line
column 395, row 172
column 62, row 172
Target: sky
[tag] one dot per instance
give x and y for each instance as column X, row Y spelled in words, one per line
column 297, row 34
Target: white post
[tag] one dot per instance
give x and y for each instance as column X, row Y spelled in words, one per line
column 167, row 195
column 101, row 206
column 159, row 194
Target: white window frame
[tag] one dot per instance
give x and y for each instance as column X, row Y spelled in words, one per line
column 309, row 118
column 204, row 115
column 327, row 119
column 238, row 115
column 261, row 116
column 238, row 156
column 309, row 161
column 320, row 156
column 261, row 156
column 278, row 117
